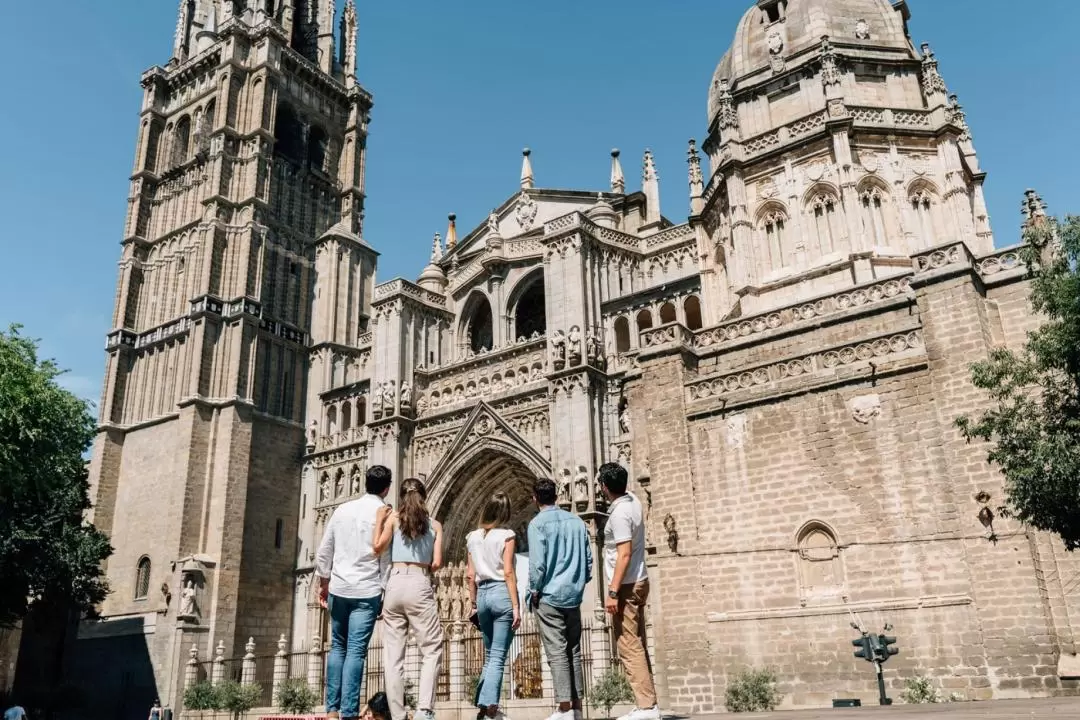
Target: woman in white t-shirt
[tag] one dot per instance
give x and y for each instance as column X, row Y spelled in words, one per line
column 493, row 591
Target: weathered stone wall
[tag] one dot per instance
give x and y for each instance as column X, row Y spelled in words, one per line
column 845, row 494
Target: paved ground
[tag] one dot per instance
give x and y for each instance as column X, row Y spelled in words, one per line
column 997, row 710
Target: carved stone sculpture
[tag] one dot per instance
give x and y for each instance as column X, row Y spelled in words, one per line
column 422, row 405
column 592, row 347
column 624, row 418
column 377, row 399
column 187, row 600
column 865, row 408
column 390, row 397
column 573, row 345
column 581, row 486
column 354, row 483
column 313, row 433
column 558, row 350
column 406, row 394
column 339, row 484
column 564, row 489
column 324, row 489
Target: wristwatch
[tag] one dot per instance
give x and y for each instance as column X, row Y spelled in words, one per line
column 613, row 594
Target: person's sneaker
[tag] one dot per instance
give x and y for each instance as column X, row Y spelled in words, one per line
column 652, row 713
column 558, row 715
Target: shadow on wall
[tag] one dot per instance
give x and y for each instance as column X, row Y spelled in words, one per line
column 98, row 678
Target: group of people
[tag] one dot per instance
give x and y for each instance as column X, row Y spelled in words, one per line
column 377, row 562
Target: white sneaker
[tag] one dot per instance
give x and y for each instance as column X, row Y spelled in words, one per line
column 568, row 715
column 652, row 713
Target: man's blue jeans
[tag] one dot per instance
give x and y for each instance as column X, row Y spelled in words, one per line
column 496, row 616
column 351, row 623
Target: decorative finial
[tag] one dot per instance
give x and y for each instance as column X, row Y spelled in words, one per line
column 650, row 185
column 451, row 233
column 436, row 248
column 219, row 651
column 830, row 67
column 1033, row 207
column 526, row 169
column 958, row 117
column 697, row 182
column 348, row 41
column 932, row 81
column 618, row 180
column 493, row 223
column 729, row 116
column 249, row 648
column 282, row 643
column 193, row 654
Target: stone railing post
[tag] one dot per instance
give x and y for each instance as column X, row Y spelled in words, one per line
column 218, row 674
column 457, row 661
column 600, row 640
column 281, row 666
column 315, row 665
column 247, row 670
column 191, row 672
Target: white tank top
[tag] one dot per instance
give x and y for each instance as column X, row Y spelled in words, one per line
column 486, row 550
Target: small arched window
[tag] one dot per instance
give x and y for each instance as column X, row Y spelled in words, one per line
column 872, row 202
column 331, row 420
column 772, row 226
column 922, row 204
column 667, row 313
column 822, row 208
column 622, row 335
column 346, row 416
column 181, row 146
column 692, row 311
column 142, row 578
column 481, row 326
column 644, row 320
column 530, row 312
column 821, row 574
column 288, row 134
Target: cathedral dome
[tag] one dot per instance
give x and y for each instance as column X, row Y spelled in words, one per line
column 788, row 29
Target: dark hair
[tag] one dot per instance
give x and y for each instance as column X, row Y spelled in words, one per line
column 378, row 704
column 544, row 489
column 497, row 512
column 613, row 477
column 378, row 479
column 413, row 517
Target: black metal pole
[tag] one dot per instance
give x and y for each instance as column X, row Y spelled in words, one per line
column 881, row 686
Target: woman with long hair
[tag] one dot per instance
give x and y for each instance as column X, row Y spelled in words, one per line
column 415, row 542
column 493, row 591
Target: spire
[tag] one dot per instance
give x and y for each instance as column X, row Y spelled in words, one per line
column 348, row 43
column 436, row 248
column 650, row 185
column 830, row 67
column 526, row 169
column 618, row 180
column 957, row 116
column 932, row 81
column 697, row 182
column 451, row 233
column 1033, row 207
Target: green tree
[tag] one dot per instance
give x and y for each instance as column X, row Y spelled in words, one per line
column 1033, row 425
column 50, row 558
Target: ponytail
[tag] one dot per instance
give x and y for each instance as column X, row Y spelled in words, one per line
column 413, row 518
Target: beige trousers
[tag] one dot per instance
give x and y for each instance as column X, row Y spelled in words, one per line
column 409, row 603
column 629, row 622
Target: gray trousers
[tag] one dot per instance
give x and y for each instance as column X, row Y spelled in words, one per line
column 560, row 631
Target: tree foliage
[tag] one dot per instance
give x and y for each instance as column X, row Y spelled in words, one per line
column 611, row 689
column 48, row 553
column 752, row 690
column 296, row 697
column 1033, row 426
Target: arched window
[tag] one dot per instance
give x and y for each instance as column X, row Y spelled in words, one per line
column 644, row 320
column 318, row 142
column 772, row 226
column 142, row 578
column 530, row 312
column 922, row 204
column 346, row 416
column 331, row 420
column 361, row 412
column 480, row 326
column 622, row 335
column 667, row 313
column 692, row 311
column 822, row 207
column 288, row 134
column 181, row 147
column 872, row 202
column 821, row 575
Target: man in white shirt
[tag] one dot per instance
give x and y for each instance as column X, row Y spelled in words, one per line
column 628, row 587
column 351, row 581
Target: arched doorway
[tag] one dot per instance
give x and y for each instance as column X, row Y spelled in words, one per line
column 467, row 491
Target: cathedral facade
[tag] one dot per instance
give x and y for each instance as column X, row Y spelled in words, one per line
column 780, row 371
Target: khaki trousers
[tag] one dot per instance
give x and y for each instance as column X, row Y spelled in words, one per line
column 629, row 622
column 409, row 603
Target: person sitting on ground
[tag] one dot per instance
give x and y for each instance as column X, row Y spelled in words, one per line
column 377, row 708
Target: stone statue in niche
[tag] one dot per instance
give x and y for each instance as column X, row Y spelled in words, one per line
column 422, row 405
column 592, row 347
column 406, row 395
column 573, row 345
column 354, row 483
column 624, row 417
column 558, row 350
column 865, row 408
column 324, row 488
column 313, row 433
column 390, row 398
column 377, row 399
column 339, row 484
column 564, row 489
column 187, row 599
column 537, row 374
column 581, row 486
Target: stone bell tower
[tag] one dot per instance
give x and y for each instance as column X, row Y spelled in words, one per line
column 241, row 266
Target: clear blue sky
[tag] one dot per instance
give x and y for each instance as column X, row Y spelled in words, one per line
column 460, row 88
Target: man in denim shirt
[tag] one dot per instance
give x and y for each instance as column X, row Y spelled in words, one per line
column 560, row 564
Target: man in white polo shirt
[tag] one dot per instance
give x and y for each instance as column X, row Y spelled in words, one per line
column 351, row 581
column 628, row 587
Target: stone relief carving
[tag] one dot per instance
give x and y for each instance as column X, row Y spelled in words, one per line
column 324, row 488
column 865, row 408
column 862, row 29
column 188, row 608
column 558, row 350
column 735, row 434
column 573, row 345
column 313, row 433
column 406, row 395
column 581, row 486
column 526, row 212
column 377, row 396
column 564, row 488
column 592, row 348
column 776, row 48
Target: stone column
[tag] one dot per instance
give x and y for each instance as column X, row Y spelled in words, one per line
column 457, row 661
column 191, row 672
column 247, row 670
column 281, row 666
column 218, row 673
column 315, row 664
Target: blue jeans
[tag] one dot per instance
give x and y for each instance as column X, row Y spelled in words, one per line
column 496, row 616
column 351, row 623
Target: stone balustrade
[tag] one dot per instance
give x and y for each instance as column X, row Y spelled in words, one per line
column 482, row 375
